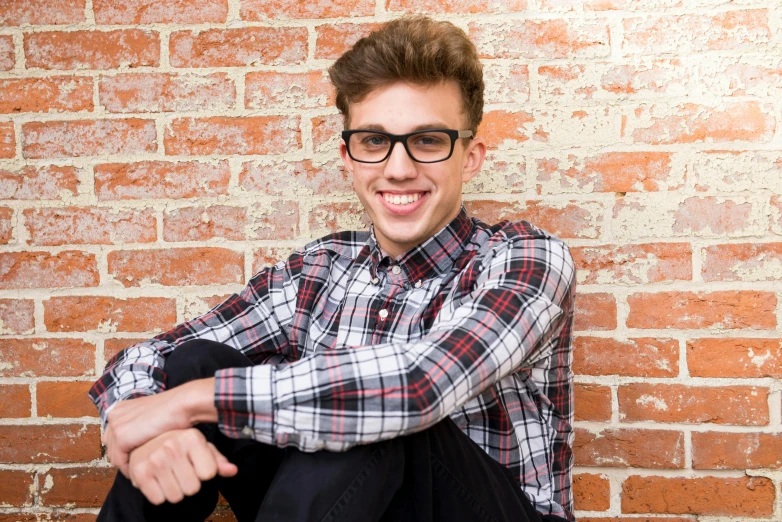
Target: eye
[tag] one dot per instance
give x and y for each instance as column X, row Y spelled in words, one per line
column 374, row 140
column 429, row 140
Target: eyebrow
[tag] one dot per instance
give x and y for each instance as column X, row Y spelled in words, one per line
column 421, row 127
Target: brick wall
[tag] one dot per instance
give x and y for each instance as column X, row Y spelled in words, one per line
column 154, row 154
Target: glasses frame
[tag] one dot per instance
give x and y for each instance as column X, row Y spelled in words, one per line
column 396, row 138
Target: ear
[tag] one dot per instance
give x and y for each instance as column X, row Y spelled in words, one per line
column 473, row 159
column 346, row 159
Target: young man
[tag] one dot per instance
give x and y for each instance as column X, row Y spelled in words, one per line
column 418, row 371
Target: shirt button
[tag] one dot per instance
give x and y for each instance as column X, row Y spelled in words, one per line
column 376, row 281
column 396, row 270
column 247, row 431
column 383, row 314
column 418, row 284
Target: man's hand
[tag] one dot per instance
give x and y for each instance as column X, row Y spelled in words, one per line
column 173, row 465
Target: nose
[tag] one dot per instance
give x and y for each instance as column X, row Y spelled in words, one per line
column 399, row 165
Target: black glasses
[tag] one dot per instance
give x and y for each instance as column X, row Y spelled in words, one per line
column 426, row 146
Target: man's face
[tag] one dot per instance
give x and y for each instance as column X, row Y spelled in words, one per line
column 433, row 190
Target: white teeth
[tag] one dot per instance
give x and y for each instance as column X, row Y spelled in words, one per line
column 404, row 199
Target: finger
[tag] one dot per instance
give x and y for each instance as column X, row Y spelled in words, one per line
column 224, row 467
column 152, row 490
column 185, row 475
column 169, row 484
column 203, row 461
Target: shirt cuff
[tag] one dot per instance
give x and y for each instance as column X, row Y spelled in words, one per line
column 244, row 398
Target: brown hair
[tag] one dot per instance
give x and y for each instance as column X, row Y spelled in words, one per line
column 414, row 49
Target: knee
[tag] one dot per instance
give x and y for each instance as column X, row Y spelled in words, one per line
column 200, row 358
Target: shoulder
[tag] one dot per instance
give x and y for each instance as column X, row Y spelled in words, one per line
column 515, row 235
column 346, row 244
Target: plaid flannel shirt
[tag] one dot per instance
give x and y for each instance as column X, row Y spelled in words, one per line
column 352, row 347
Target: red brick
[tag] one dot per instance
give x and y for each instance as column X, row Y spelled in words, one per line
column 6, row 225
column 163, row 92
column 593, row 402
column 455, row 6
column 744, row 496
column 506, row 130
column 609, row 172
column 37, row 357
column 177, row 267
column 41, row 12
column 7, row 140
column 16, row 316
column 744, row 357
column 108, row 314
column 716, row 450
column 506, row 83
column 76, row 487
column 89, row 225
column 49, row 444
column 92, row 49
column 723, row 310
column 566, row 219
column 591, row 492
column 53, row 94
column 261, row 10
column 630, row 448
column 296, row 177
column 740, row 76
column 776, row 214
column 47, row 516
column 640, row 357
column 15, row 402
column 65, row 399
column 195, row 306
column 204, row 223
column 736, row 30
column 331, row 40
column 276, row 221
column 737, row 171
column 608, row 81
column 595, row 312
column 327, row 218
column 325, row 133
column 77, row 138
column 16, row 488
column 7, row 53
column 45, row 270
column 269, row 256
column 541, row 39
column 161, row 180
column 152, row 12
column 112, row 346
column 565, row 127
column 239, row 47
column 741, row 405
column 38, row 183
column 243, row 135
column 633, row 264
column 743, row 262
column 692, row 123
column 508, row 177
column 306, row 90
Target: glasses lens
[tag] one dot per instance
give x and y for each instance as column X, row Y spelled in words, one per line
column 426, row 146
column 369, row 146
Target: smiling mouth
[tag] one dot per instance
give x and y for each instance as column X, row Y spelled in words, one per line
column 402, row 199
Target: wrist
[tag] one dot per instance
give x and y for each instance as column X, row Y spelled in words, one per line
column 199, row 397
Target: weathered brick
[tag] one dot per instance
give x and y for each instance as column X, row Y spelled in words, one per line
column 39, row 183
column 564, row 219
column 325, row 133
column 280, row 178
column 38, row 357
column 41, row 12
column 306, row 90
column 45, row 270
column 278, row 220
column 776, row 214
column 260, row 10
column 743, row 262
column 568, row 127
column 92, row 49
column 16, row 316
column 741, row 76
column 7, row 54
column 6, row 225
column 609, row 172
column 195, row 306
column 741, row 405
column 204, row 223
column 610, row 5
column 693, row 123
column 744, row 496
column 542, row 39
column 591, row 492
column 64, row 399
column 630, row 448
column 49, row 444
column 331, row 40
column 595, row 312
column 327, row 218
column 163, row 92
column 238, row 47
column 53, row 94
column 112, row 346
column 76, row 487
column 177, row 267
column 639, row 357
column 76, row 138
column 723, row 310
column 508, row 177
column 151, row 12
column 593, row 402
column 108, row 314
column 241, row 135
column 506, row 83
column 161, row 180
column 743, row 357
column 506, row 130
column 7, row 139
column 89, row 225
column 718, row 450
column 15, row 402
column 269, row 256
column 16, row 488
column 456, row 6
column 633, row 264
column 737, row 30
column 736, row 171
column 47, row 516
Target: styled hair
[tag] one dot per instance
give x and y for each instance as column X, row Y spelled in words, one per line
column 412, row 49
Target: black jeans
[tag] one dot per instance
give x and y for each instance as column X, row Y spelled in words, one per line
column 433, row 475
